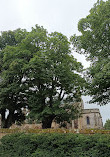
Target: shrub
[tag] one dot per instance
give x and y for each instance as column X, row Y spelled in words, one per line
column 15, row 145
column 107, row 124
column 55, row 145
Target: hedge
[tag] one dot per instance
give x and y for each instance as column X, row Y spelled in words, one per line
column 55, row 145
column 59, row 130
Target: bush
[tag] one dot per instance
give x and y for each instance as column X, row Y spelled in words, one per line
column 15, row 145
column 55, row 145
column 107, row 124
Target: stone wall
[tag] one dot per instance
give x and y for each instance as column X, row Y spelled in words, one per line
column 90, row 118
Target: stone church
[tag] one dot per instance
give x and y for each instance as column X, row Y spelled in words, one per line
column 90, row 118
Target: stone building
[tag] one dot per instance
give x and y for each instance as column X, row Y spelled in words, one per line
column 90, row 118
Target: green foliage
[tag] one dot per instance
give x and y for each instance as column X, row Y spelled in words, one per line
column 12, row 38
column 61, row 145
column 18, row 145
column 94, row 42
column 38, row 72
column 52, row 74
column 107, row 124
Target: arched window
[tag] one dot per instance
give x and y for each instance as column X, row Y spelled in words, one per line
column 88, row 120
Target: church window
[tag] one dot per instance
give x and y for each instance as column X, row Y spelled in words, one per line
column 88, row 120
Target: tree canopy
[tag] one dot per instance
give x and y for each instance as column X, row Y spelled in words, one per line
column 38, row 71
column 11, row 91
column 107, row 124
column 94, row 42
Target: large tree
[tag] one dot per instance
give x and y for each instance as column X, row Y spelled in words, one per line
column 94, row 42
column 12, row 59
column 54, row 82
column 17, row 47
column 39, row 72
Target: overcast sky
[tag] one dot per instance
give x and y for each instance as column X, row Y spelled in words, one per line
column 54, row 15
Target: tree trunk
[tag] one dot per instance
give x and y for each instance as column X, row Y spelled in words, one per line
column 46, row 123
column 10, row 120
column 3, row 119
column 6, row 122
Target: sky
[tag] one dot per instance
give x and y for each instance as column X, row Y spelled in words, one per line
column 54, row 15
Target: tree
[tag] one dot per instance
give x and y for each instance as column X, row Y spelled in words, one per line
column 94, row 42
column 12, row 38
column 54, row 82
column 13, row 57
column 107, row 124
column 39, row 72
column 12, row 91
column 11, row 62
